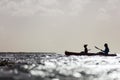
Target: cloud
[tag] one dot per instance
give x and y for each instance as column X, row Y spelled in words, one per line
column 56, row 7
column 29, row 7
column 42, row 7
column 77, row 6
column 103, row 14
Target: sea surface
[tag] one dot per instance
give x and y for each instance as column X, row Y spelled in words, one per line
column 53, row 66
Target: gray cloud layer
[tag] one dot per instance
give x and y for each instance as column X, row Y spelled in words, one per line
column 54, row 7
column 103, row 9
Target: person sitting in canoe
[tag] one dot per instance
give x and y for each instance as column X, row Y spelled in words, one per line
column 85, row 49
column 105, row 51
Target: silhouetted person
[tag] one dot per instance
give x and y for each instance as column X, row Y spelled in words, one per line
column 85, row 48
column 106, row 51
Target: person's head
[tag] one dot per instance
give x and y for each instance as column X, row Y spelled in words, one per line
column 85, row 45
column 106, row 45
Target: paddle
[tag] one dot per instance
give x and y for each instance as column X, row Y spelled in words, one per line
column 98, row 48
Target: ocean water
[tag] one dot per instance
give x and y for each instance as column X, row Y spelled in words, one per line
column 52, row 66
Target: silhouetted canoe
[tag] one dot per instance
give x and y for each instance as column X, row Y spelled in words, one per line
column 87, row 54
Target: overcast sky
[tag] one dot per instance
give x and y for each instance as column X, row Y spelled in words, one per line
column 59, row 25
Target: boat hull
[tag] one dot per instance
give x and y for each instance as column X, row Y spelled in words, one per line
column 87, row 54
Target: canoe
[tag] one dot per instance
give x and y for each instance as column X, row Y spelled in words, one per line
column 87, row 54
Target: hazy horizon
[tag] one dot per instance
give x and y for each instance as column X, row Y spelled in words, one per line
column 59, row 25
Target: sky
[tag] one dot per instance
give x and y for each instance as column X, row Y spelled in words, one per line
column 59, row 25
